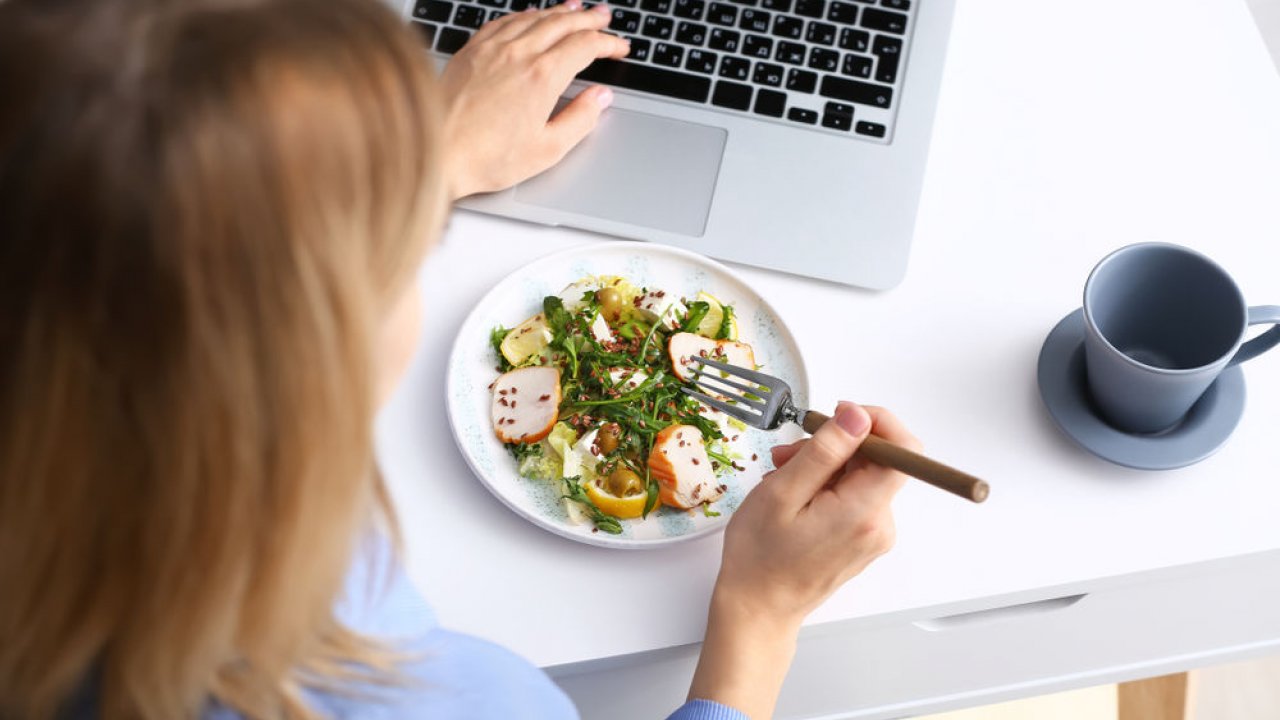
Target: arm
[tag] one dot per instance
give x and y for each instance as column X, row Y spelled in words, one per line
column 807, row 528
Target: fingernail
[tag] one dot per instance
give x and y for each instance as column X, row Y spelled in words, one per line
column 573, row 4
column 853, row 419
column 604, row 97
column 602, row 9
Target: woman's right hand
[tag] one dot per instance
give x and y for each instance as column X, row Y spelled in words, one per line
column 816, row 521
column 810, row 525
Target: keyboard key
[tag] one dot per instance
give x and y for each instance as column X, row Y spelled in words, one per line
column 701, row 61
column 732, row 95
column 790, row 53
column 625, row 21
column 837, row 116
column 757, row 46
column 658, row 27
column 869, row 128
column 788, row 27
column 428, row 31
column 639, row 49
column 748, row 3
column 800, row 115
column 450, row 40
column 884, row 21
column 735, row 68
column 647, row 78
column 767, row 74
column 468, row 16
column 842, row 13
column 834, row 86
column 756, row 20
column 689, row 9
column 518, row 5
column 821, row 33
column 691, row 33
column 722, row 14
column 889, row 51
column 810, row 8
column 856, row 40
column 725, row 40
column 801, row 80
column 495, row 14
column 903, row 5
column 623, row 3
column 776, row 5
column 433, row 10
column 856, row 65
column 668, row 54
column 771, row 103
column 493, row 3
column 656, row 6
column 824, row 59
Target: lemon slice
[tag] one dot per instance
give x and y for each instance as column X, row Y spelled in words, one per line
column 710, row 325
column 631, row 506
column 526, row 340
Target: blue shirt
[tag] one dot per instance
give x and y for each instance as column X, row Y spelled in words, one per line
column 454, row 675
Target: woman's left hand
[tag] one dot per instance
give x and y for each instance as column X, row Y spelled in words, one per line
column 501, row 89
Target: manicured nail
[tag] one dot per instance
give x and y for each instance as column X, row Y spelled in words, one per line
column 573, row 4
column 604, row 97
column 853, row 419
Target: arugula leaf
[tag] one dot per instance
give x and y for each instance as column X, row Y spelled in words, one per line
column 706, row 510
column 602, row 520
column 698, row 309
column 726, row 323
column 520, row 451
column 651, row 501
column 496, row 336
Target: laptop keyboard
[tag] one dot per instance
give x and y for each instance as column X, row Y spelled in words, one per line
column 832, row 66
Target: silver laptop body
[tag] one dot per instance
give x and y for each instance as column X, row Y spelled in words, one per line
column 773, row 192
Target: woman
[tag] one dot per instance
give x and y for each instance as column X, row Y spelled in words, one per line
column 211, row 215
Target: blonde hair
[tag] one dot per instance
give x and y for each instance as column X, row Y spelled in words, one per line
column 206, row 208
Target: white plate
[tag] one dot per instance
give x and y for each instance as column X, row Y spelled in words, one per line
column 472, row 367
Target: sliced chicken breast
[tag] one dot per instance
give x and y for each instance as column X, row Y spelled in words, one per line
column 680, row 464
column 683, row 346
column 526, row 404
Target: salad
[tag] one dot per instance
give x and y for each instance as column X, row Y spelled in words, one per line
column 589, row 397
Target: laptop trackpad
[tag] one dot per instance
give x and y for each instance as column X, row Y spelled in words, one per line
column 636, row 168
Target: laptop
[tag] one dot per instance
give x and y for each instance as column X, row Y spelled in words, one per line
column 785, row 134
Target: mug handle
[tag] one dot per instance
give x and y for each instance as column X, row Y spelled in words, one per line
column 1260, row 315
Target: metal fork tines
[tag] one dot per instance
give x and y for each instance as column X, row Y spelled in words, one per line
column 763, row 401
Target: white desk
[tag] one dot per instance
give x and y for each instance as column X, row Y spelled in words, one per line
column 1064, row 131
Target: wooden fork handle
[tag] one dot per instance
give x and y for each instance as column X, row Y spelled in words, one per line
column 882, row 452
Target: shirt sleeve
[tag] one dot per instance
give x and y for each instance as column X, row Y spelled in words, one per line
column 706, row 710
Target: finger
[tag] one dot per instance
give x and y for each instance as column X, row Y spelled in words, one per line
column 569, row 126
column 518, row 23
column 551, row 29
column 888, row 426
column 783, row 453
column 823, row 456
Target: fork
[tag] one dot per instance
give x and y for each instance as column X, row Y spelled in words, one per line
column 767, row 403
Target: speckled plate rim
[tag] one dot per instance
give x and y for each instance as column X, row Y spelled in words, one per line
column 544, row 275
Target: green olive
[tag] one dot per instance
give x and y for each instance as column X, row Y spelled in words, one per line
column 608, row 437
column 610, row 303
column 624, row 482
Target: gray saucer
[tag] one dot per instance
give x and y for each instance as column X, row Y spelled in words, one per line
column 1206, row 427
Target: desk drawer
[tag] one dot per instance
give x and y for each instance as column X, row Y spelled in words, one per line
column 1003, row 648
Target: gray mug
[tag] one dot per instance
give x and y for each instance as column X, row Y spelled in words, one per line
column 1162, row 322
